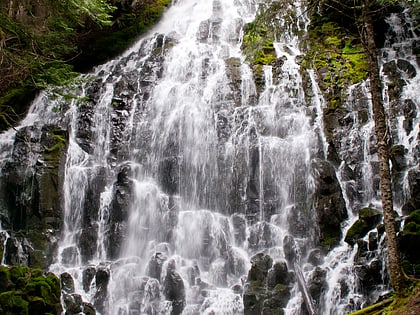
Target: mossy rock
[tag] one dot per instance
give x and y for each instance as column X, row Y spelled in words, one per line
column 28, row 291
column 370, row 215
column 13, row 303
column 369, row 218
column 358, row 230
column 413, row 217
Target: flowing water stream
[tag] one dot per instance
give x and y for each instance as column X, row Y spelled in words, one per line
column 180, row 168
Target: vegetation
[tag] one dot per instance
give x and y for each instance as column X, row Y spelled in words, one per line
column 27, row 291
column 260, row 34
column 406, row 303
column 49, row 42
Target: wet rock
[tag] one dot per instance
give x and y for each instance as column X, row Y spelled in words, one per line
column 169, row 174
column 317, row 283
column 154, row 268
column 409, row 240
column 31, row 191
column 260, row 264
column 413, row 202
column 219, row 273
column 260, row 236
column 174, row 289
column 266, row 290
column 193, row 273
column 410, row 113
column 151, row 299
column 406, row 67
column 329, row 204
column 279, row 274
column 87, row 276
column 88, row 309
column 120, row 205
column 373, row 241
column 67, row 283
column 369, row 218
column 239, row 226
column 398, row 158
column 395, row 77
column 315, row 257
column 72, row 303
column 69, row 255
column 289, row 248
column 101, row 296
column 233, row 71
column 369, row 274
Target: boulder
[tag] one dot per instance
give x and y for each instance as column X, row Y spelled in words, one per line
column 67, row 283
column 329, row 204
column 154, row 268
column 369, row 218
column 174, row 289
column 267, row 288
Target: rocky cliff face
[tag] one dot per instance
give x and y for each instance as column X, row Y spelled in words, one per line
column 179, row 180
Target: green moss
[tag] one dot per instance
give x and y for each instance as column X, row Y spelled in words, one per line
column 12, row 302
column 28, row 291
column 337, row 55
column 356, row 231
column 411, row 228
column 414, row 217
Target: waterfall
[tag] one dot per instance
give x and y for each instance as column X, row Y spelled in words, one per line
column 182, row 174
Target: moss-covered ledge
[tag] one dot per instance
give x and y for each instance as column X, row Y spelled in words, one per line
column 26, row 291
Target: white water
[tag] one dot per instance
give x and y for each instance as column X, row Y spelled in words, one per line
column 216, row 144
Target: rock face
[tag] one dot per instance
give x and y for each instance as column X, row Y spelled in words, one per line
column 31, row 191
column 329, row 204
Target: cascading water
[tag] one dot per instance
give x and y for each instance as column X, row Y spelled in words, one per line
column 209, row 178
column 180, row 169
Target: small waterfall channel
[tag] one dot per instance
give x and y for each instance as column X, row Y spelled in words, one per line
column 182, row 176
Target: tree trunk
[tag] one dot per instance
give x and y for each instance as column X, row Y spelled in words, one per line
column 398, row 280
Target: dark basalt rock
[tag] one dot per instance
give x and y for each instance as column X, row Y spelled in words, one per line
column 88, row 275
column 279, row 274
column 260, row 236
column 267, row 289
column 368, row 219
column 73, row 304
column 409, row 240
column 154, row 268
column 410, row 113
column 413, row 202
column 317, row 283
column 31, row 191
column 122, row 192
column 315, row 257
column 174, row 289
column 239, row 226
column 102, row 279
column 193, row 273
column 398, row 158
column 329, row 204
column 67, row 283
column 290, row 250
